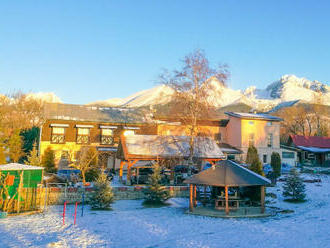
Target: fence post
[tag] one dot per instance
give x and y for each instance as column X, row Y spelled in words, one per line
column 64, row 213
column 75, row 213
column 82, row 205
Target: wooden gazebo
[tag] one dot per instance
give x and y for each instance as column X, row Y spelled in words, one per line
column 156, row 147
column 226, row 174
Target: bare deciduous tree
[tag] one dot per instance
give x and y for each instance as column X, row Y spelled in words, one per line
column 86, row 159
column 191, row 85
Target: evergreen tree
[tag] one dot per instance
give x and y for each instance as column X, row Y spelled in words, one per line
column 256, row 167
column 251, row 155
column 294, row 187
column 103, row 196
column 48, row 160
column 275, row 162
column 33, row 158
column 252, row 159
column 156, row 193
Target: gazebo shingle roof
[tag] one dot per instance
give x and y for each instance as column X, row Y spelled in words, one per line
column 228, row 173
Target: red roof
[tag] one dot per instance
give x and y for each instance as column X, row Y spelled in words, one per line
column 311, row 141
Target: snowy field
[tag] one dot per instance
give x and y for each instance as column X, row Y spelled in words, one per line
column 132, row 225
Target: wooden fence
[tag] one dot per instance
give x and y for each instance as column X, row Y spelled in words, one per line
column 26, row 199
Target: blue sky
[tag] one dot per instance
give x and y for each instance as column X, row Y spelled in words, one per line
column 99, row 49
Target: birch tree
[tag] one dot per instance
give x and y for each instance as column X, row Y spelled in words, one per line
column 191, row 84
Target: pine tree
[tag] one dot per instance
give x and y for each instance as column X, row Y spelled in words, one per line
column 33, row 158
column 294, row 187
column 156, row 193
column 275, row 162
column 103, row 196
column 256, row 167
column 48, row 160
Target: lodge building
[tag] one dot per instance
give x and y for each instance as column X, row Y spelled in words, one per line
column 68, row 127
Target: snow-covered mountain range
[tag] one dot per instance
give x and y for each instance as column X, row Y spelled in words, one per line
column 286, row 91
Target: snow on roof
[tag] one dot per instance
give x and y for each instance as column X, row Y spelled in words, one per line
column 170, row 146
column 311, row 141
column 254, row 116
column 314, row 149
column 16, row 166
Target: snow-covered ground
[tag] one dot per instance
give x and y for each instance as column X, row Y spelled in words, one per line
column 132, row 225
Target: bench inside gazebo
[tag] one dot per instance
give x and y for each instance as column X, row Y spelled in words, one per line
column 223, row 177
column 156, row 147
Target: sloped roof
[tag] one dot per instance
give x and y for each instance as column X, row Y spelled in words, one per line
column 93, row 113
column 226, row 148
column 250, row 116
column 153, row 146
column 16, row 166
column 311, row 141
column 227, row 173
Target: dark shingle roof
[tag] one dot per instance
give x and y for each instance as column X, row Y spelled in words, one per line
column 93, row 113
column 227, row 173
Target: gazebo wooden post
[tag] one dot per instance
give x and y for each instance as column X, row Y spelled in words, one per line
column 226, row 197
column 122, row 163
column 262, row 200
column 191, row 204
column 129, row 166
column 195, row 195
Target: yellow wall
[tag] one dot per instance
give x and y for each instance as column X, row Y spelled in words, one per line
column 71, row 147
column 261, row 131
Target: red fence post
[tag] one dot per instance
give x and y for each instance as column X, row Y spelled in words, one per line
column 75, row 213
column 64, row 213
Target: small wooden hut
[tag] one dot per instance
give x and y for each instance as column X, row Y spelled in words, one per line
column 226, row 174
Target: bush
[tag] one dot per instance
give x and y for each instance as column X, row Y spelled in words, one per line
column 156, row 194
column 251, row 155
column 275, row 162
column 103, row 196
column 294, row 187
column 48, row 160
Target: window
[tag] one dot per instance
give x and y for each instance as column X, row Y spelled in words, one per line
column 265, row 158
column 129, row 132
column 287, row 154
column 107, row 136
column 251, row 122
column 270, row 140
column 269, row 123
column 251, row 139
column 82, row 135
column 58, row 135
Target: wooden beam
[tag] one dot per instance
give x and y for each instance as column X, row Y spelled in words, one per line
column 130, row 164
column 195, row 196
column 122, row 163
column 226, row 197
column 191, row 205
column 262, row 200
